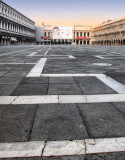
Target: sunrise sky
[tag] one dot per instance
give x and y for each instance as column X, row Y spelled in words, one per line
column 70, row 12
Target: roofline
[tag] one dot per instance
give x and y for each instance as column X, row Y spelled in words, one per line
column 16, row 10
column 112, row 21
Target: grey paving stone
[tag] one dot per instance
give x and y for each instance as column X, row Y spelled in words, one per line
column 30, row 89
column 58, row 122
column 113, row 156
column 33, row 158
column 64, row 89
column 94, row 157
column 6, row 89
column 91, row 85
column 24, row 67
column 120, row 106
column 16, row 74
column 10, row 80
column 35, row 80
column 5, row 68
column 64, row 80
column 2, row 73
column 16, row 122
column 82, row 157
column 103, row 120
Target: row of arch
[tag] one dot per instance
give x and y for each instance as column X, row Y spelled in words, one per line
column 116, row 42
column 7, row 40
column 13, row 27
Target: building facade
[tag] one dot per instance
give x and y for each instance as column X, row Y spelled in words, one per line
column 15, row 27
column 110, row 33
column 60, row 34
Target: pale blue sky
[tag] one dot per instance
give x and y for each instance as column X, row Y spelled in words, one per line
column 69, row 12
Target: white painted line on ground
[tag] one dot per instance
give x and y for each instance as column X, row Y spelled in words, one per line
column 17, row 63
column 116, row 86
column 32, row 54
column 100, row 57
column 38, row 68
column 115, row 57
column 72, row 99
column 105, row 98
column 58, row 55
column 21, row 149
column 62, row 148
column 102, row 64
column 105, row 145
column 47, row 51
column 45, row 99
column 72, row 57
column 7, row 99
column 72, row 75
column 50, row 99
column 16, row 51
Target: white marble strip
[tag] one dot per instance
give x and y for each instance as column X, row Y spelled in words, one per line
column 115, row 57
column 116, row 86
column 32, row 54
column 105, row 98
column 21, row 149
column 45, row 99
column 55, row 55
column 47, row 51
column 50, row 99
column 16, row 51
column 72, row 75
column 72, row 57
column 100, row 57
column 38, row 68
column 72, row 99
column 17, row 63
column 105, row 145
column 87, row 146
column 62, row 148
column 7, row 99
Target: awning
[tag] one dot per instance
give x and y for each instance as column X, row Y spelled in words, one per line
column 13, row 39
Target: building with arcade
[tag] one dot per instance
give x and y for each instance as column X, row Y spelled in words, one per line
column 15, row 28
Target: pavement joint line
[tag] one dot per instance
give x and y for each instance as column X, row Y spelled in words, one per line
column 62, row 99
column 61, row 148
column 38, row 68
column 16, row 51
column 116, row 86
column 32, row 54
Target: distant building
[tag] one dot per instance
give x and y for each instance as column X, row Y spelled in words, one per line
column 110, row 33
column 62, row 34
column 14, row 26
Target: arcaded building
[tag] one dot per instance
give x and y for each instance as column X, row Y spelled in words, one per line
column 15, row 28
column 62, row 34
column 109, row 33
